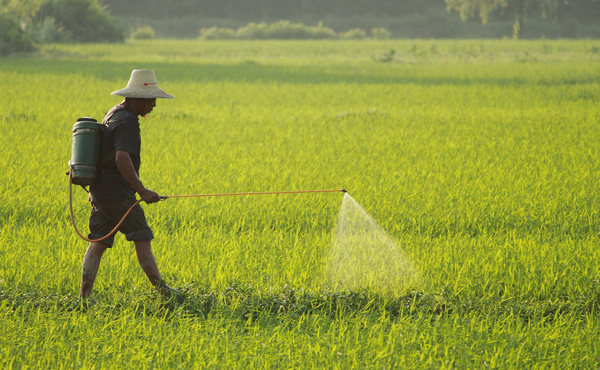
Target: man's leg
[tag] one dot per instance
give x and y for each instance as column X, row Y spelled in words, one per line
column 89, row 269
column 147, row 261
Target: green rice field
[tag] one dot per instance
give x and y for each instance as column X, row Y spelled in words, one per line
column 479, row 158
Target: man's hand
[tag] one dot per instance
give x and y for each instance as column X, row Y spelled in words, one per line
column 149, row 196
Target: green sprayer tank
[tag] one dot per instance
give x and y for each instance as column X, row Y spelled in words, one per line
column 85, row 153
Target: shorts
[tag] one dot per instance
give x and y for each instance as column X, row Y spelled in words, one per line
column 104, row 217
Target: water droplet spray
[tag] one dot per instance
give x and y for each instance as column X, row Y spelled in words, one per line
column 363, row 256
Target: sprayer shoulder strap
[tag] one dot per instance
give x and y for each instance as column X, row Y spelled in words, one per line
column 117, row 116
column 110, row 155
column 106, row 159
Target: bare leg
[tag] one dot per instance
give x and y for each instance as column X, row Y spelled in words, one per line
column 89, row 269
column 147, row 261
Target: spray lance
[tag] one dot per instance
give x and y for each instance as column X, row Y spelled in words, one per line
column 83, row 171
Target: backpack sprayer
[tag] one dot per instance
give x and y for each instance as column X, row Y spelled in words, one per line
column 83, row 171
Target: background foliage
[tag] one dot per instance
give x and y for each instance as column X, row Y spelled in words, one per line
column 45, row 21
column 522, row 9
column 12, row 36
column 407, row 18
column 287, row 30
column 56, row 21
column 78, row 20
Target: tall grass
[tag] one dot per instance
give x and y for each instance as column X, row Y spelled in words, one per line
column 480, row 159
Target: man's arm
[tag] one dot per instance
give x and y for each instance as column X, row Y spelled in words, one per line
column 126, row 168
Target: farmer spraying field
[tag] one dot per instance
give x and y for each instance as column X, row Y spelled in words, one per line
column 107, row 157
column 114, row 191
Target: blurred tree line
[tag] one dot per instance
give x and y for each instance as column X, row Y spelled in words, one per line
column 253, row 10
column 23, row 23
column 405, row 18
column 26, row 22
column 267, row 9
column 521, row 10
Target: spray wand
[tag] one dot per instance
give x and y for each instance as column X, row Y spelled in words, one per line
column 164, row 197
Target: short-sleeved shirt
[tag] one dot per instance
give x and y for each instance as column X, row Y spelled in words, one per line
column 122, row 133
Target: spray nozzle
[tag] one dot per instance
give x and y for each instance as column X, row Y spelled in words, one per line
column 344, row 191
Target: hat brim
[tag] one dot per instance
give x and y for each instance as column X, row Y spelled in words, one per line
column 129, row 92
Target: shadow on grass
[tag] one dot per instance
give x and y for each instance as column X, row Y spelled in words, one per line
column 238, row 302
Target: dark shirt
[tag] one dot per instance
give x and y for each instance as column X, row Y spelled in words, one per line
column 122, row 133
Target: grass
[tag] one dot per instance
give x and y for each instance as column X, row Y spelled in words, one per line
column 479, row 157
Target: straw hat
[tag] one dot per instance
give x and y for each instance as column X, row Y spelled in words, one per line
column 142, row 84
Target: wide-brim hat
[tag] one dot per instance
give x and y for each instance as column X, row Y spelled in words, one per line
column 142, row 84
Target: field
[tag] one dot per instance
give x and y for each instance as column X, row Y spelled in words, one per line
column 480, row 158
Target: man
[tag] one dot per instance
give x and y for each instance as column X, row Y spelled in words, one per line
column 118, row 182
